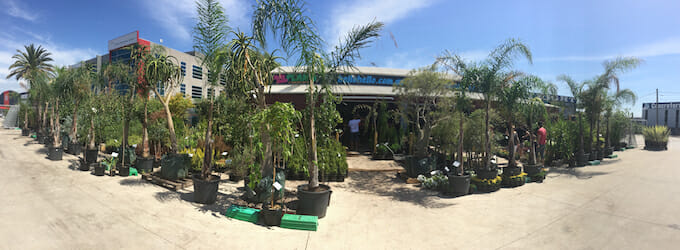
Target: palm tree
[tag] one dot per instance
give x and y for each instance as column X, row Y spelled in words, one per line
column 27, row 65
column 594, row 97
column 611, row 102
column 489, row 77
column 209, row 37
column 78, row 90
column 577, row 92
column 297, row 34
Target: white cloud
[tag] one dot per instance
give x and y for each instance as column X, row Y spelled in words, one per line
column 178, row 16
column 13, row 9
column 408, row 60
column 670, row 46
column 346, row 16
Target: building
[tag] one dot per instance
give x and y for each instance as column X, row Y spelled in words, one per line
column 195, row 77
column 665, row 113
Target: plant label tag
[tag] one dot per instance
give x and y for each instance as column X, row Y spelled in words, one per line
column 191, row 155
column 277, row 186
column 224, row 153
column 134, row 146
column 456, row 163
column 434, row 172
column 447, row 169
column 114, row 154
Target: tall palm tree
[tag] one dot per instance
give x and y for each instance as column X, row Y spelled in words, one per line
column 297, row 35
column 492, row 74
column 27, row 65
column 577, row 92
column 210, row 33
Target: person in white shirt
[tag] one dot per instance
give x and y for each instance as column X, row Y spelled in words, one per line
column 354, row 132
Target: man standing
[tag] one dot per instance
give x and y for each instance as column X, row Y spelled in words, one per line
column 354, row 132
column 542, row 135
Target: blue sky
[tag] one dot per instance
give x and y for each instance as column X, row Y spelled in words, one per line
column 565, row 37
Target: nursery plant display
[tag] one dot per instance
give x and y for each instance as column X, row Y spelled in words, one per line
column 656, row 137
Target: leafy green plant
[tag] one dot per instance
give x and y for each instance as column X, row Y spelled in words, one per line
column 657, row 134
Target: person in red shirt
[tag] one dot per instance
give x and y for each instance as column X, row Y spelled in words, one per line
column 541, row 135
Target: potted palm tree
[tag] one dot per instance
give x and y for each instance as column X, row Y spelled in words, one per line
column 298, row 35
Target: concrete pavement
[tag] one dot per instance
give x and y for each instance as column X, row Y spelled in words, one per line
column 627, row 203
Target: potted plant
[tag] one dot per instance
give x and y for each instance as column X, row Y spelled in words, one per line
column 55, row 150
column 656, row 137
column 107, row 163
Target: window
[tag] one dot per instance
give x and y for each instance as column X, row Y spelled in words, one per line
column 183, row 89
column 120, row 55
column 677, row 112
column 665, row 117
column 184, row 68
column 161, row 89
column 646, row 114
column 223, row 80
column 196, row 92
column 211, row 92
column 197, row 72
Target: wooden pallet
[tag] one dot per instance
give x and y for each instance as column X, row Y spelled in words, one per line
column 155, row 178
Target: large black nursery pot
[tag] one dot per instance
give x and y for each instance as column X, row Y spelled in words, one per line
column 487, row 174
column 271, row 217
column 512, row 171
column 99, row 169
column 91, row 155
column 532, row 170
column 55, row 153
column 124, row 170
column 205, row 191
column 25, row 132
column 458, row 184
column 313, row 202
column 41, row 138
column 175, row 166
column 144, row 165
column 75, row 148
column 84, row 166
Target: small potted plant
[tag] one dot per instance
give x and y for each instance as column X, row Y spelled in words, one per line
column 107, row 163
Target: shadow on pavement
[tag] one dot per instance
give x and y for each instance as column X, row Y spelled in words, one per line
column 579, row 173
column 387, row 184
column 220, row 206
column 132, row 181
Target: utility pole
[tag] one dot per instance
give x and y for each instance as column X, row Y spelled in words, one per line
column 657, row 107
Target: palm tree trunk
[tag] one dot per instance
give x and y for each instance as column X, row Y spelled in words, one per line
column 581, row 153
column 207, row 159
column 487, row 142
column 267, row 162
column 92, row 145
column 74, row 124
column 57, row 126
column 597, row 139
column 606, row 138
column 313, row 168
column 145, row 131
column 460, row 144
column 511, row 145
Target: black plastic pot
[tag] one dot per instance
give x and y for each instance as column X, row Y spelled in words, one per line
column 458, row 184
column 99, row 169
column 91, row 155
column 75, row 148
column 532, row 170
column 205, row 191
column 511, row 171
column 592, row 156
column 55, row 153
column 271, row 217
column 41, row 138
column 84, row 166
column 124, row 171
column 486, row 174
column 25, row 131
column 313, row 203
column 144, row 165
column 175, row 166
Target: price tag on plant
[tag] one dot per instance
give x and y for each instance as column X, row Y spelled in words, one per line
column 114, row 154
column 434, row 172
column 277, row 186
column 191, row 155
column 224, row 153
column 134, row 146
column 447, row 169
column 456, row 163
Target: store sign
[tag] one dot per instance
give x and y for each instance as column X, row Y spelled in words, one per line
column 123, row 40
column 342, row 79
column 662, row 105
